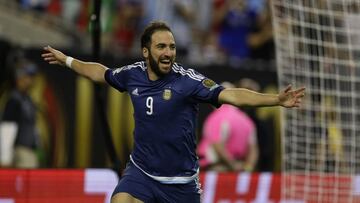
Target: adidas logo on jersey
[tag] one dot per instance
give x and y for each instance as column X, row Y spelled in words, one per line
column 135, row 92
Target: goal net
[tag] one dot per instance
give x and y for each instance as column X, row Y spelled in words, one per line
column 318, row 46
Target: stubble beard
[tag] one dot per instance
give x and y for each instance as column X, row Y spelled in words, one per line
column 155, row 66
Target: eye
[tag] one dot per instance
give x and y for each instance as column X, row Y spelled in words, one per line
column 161, row 46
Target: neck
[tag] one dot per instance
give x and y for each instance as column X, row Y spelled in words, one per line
column 152, row 75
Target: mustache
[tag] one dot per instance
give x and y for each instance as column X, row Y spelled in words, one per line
column 166, row 58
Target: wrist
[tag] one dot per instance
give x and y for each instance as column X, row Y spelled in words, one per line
column 68, row 61
column 278, row 99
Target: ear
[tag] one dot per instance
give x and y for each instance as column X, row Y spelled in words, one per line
column 145, row 52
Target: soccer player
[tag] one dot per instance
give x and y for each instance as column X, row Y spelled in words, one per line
column 163, row 165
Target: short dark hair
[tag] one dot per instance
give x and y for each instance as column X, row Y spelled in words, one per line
column 150, row 30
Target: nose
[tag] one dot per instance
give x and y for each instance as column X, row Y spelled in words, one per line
column 168, row 51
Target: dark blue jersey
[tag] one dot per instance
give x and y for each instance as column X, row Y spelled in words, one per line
column 165, row 113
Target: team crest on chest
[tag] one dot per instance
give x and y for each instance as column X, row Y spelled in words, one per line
column 167, row 94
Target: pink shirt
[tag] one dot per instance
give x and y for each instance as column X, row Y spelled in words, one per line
column 230, row 125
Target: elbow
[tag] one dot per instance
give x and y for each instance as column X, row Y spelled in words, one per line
column 95, row 72
column 97, row 76
column 97, row 79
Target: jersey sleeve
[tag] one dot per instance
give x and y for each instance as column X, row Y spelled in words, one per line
column 117, row 78
column 207, row 91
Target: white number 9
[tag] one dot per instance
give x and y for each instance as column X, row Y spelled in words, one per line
column 149, row 105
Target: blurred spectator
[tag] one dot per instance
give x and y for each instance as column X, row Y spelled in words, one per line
column 261, row 39
column 204, row 48
column 179, row 14
column 235, row 21
column 229, row 140
column 125, row 26
column 70, row 10
column 83, row 18
column 39, row 5
column 21, row 111
column 331, row 144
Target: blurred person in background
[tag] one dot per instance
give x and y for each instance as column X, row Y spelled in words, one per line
column 261, row 39
column 70, row 10
column 229, row 140
column 204, row 48
column 38, row 5
column 234, row 21
column 164, row 166
column 20, row 110
column 126, row 24
column 180, row 14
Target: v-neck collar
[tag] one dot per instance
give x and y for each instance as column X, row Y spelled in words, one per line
column 159, row 80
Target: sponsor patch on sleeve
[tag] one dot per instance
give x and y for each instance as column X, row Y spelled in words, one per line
column 210, row 84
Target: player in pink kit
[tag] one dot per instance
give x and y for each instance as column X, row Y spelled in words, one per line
column 229, row 141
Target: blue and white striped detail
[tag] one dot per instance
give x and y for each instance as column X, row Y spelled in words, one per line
column 139, row 64
column 189, row 72
column 169, row 180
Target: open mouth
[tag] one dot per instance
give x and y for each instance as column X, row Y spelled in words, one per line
column 165, row 61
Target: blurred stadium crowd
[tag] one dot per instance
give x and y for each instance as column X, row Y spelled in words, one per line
column 234, row 36
column 207, row 31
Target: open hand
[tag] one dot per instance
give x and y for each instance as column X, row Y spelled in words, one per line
column 53, row 56
column 291, row 98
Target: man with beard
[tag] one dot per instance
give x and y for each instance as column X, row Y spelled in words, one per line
column 163, row 165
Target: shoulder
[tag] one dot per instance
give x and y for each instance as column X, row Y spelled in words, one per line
column 187, row 73
column 138, row 66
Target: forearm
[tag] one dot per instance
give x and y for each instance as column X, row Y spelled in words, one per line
column 245, row 97
column 91, row 70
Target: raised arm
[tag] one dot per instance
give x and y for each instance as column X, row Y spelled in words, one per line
column 91, row 70
column 243, row 97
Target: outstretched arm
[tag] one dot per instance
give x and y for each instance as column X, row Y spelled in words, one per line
column 243, row 97
column 93, row 71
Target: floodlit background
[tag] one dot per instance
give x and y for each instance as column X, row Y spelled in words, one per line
column 309, row 154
